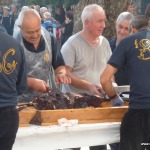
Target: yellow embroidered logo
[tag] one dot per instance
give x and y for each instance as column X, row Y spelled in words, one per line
column 144, row 50
column 8, row 68
column 46, row 57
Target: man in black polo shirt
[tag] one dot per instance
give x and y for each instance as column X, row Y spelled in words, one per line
column 41, row 58
column 122, row 31
column 13, row 82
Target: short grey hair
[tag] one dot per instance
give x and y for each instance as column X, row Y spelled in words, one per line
column 23, row 8
column 43, row 9
column 88, row 12
column 24, row 13
column 125, row 16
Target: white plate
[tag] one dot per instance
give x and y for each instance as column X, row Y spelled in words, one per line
column 124, row 88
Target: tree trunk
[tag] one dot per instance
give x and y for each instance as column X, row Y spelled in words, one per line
column 112, row 8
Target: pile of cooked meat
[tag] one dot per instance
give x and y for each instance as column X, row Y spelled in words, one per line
column 54, row 99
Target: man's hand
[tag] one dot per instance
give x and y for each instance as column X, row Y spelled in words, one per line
column 62, row 78
column 37, row 84
column 96, row 89
column 117, row 102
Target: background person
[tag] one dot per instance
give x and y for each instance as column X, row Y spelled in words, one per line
column 16, row 28
column 48, row 24
column 132, row 8
column 6, row 20
column 67, row 27
column 59, row 14
column 122, row 26
column 14, row 12
column 122, row 31
column 42, row 11
column 37, row 8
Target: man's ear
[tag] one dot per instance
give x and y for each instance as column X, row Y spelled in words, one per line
column 86, row 22
column 133, row 30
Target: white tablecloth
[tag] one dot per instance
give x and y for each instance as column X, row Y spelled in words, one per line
column 57, row 137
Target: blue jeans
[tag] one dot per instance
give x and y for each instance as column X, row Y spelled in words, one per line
column 9, row 121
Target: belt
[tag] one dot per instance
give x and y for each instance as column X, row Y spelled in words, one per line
column 8, row 108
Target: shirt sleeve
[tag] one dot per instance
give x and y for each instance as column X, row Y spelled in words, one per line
column 57, row 58
column 119, row 56
column 21, row 84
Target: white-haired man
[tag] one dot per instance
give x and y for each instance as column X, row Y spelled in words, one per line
column 122, row 31
column 42, row 11
column 122, row 26
column 86, row 54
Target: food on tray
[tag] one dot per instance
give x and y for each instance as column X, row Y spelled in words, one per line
column 54, row 99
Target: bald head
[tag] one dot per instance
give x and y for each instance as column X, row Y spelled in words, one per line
column 28, row 16
column 30, row 26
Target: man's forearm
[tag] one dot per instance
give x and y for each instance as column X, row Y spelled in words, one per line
column 108, row 88
column 78, row 83
column 106, row 80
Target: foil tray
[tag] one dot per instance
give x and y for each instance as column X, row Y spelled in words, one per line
column 121, row 89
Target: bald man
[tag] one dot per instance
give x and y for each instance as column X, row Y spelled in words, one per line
column 41, row 58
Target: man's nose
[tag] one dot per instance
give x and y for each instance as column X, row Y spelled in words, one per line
column 34, row 34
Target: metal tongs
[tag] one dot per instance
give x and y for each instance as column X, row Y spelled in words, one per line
column 21, row 106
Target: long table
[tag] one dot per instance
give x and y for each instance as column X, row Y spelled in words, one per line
column 59, row 137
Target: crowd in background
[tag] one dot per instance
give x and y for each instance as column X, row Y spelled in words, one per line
column 59, row 22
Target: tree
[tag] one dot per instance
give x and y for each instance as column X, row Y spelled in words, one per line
column 5, row 2
column 54, row 3
column 112, row 8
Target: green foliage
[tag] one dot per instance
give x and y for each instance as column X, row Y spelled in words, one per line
column 35, row 2
column 54, row 3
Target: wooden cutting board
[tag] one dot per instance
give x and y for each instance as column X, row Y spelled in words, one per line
column 84, row 115
column 26, row 116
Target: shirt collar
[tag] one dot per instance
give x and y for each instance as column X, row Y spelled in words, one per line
column 30, row 47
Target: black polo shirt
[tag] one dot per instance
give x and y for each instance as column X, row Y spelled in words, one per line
column 112, row 44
